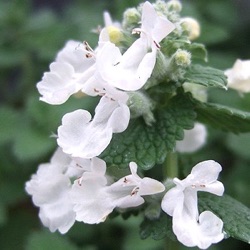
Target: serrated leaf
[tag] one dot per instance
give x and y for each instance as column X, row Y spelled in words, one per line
column 148, row 145
column 206, row 76
column 157, row 229
column 223, row 117
column 235, row 215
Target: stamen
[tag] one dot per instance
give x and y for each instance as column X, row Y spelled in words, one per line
column 134, row 191
column 157, row 45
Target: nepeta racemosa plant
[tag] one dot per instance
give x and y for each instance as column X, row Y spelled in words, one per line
column 152, row 107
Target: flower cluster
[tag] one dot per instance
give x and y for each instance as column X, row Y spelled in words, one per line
column 76, row 185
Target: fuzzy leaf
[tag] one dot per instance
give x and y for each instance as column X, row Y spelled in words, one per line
column 235, row 215
column 223, row 117
column 206, row 76
column 157, row 229
column 148, row 145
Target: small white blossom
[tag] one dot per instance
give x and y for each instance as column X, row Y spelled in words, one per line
column 50, row 190
column 193, row 139
column 81, row 136
column 181, row 203
column 94, row 199
column 239, row 76
column 131, row 70
column 72, row 68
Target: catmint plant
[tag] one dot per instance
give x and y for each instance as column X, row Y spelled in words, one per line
column 152, row 107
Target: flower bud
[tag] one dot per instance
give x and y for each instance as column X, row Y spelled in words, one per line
column 131, row 18
column 182, row 58
column 174, row 5
column 115, row 34
column 192, row 27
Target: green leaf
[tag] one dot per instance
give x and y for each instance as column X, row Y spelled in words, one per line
column 206, row 76
column 157, row 229
column 46, row 240
column 222, row 117
column 235, row 215
column 148, row 145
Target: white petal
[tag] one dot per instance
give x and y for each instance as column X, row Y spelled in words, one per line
column 171, row 200
column 58, row 84
column 49, row 189
column 210, row 227
column 74, row 54
column 149, row 186
column 81, row 137
column 206, row 172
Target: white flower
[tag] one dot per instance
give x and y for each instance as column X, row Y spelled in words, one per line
column 73, row 66
column 193, row 139
column 131, row 70
column 94, row 199
column 127, row 191
column 153, row 27
column 181, row 203
column 82, row 137
column 50, row 188
column 239, row 76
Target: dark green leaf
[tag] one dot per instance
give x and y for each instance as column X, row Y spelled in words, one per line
column 157, row 229
column 235, row 215
column 148, row 145
column 222, row 117
column 206, row 76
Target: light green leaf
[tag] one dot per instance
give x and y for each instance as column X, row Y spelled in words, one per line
column 223, row 117
column 206, row 76
column 235, row 215
column 148, row 145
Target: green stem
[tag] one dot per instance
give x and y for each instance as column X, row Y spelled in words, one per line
column 171, row 166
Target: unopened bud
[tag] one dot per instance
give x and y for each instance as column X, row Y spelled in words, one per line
column 131, row 18
column 192, row 26
column 115, row 34
column 174, row 5
column 182, row 58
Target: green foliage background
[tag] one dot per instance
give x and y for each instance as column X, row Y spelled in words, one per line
column 29, row 41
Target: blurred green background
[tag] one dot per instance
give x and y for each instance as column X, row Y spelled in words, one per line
column 31, row 33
